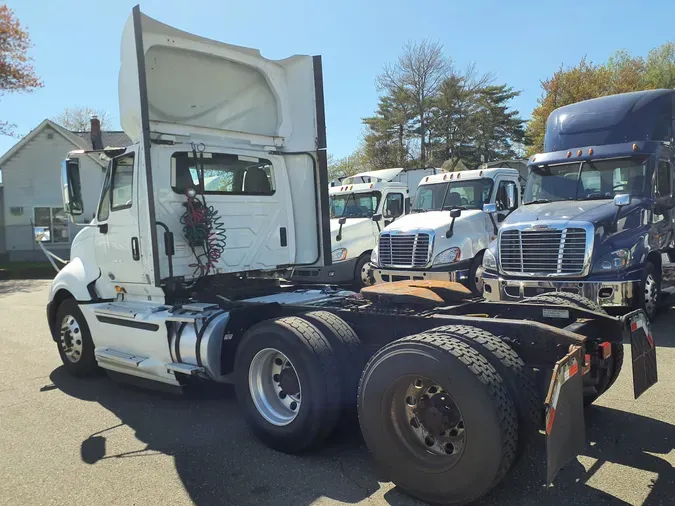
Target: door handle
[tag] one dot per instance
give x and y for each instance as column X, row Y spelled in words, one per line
column 135, row 252
column 103, row 228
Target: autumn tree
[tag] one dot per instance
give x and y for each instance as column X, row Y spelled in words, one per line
column 417, row 74
column 349, row 165
column 621, row 73
column 17, row 74
column 78, row 119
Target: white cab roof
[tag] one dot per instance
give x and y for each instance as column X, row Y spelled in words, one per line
column 469, row 174
column 364, row 187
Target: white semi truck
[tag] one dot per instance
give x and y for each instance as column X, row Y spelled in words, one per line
column 178, row 280
column 454, row 218
column 360, row 207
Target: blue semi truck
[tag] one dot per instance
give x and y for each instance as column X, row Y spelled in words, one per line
column 597, row 219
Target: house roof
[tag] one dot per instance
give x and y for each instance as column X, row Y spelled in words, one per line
column 111, row 139
column 80, row 140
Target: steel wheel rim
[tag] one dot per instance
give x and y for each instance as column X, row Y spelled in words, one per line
column 364, row 275
column 478, row 280
column 275, row 387
column 651, row 294
column 436, row 436
column 71, row 339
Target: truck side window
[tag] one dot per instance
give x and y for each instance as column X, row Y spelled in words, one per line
column 121, row 183
column 104, row 204
column 224, row 174
column 662, row 180
column 501, row 200
column 393, row 205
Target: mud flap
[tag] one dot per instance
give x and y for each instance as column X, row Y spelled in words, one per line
column 565, row 427
column 643, row 352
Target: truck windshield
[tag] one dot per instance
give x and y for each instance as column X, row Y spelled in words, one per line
column 469, row 194
column 354, row 205
column 601, row 179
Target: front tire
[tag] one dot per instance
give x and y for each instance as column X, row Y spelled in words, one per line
column 436, row 415
column 650, row 290
column 287, row 383
column 74, row 342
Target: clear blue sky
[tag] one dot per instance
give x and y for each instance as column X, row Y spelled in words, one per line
column 523, row 41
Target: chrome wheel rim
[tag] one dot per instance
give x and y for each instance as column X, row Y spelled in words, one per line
column 434, row 420
column 651, row 294
column 478, row 280
column 71, row 338
column 274, row 386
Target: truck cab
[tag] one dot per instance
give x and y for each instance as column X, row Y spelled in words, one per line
column 454, row 217
column 597, row 218
column 360, row 207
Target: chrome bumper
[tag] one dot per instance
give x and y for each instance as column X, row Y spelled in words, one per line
column 605, row 293
column 388, row 275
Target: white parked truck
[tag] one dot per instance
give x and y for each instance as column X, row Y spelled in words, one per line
column 454, row 218
column 178, row 280
column 359, row 208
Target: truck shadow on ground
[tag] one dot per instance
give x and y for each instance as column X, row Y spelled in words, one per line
column 12, row 286
column 220, row 462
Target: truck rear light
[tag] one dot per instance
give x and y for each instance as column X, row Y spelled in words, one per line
column 606, row 349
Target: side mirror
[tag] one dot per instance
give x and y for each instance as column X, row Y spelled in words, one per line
column 510, row 196
column 489, row 208
column 71, row 186
column 622, row 200
column 455, row 213
column 377, row 217
column 342, row 220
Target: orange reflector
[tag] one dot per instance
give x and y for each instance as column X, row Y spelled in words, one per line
column 120, row 289
column 569, row 153
column 579, row 153
column 452, row 176
column 371, row 185
column 634, row 147
column 426, row 179
column 459, row 175
column 606, row 349
column 480, row 174
column 590, row 151
column 534, row 158
column 587, row 365
column 444, row 176
column 634, row 326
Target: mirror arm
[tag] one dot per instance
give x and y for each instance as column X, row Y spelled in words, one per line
column 494, row 223
column 449, row 233
column 338, row 237
column 379, row 229
column 615, row 221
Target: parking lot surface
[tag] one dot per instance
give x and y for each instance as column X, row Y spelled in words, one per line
column 69, row 441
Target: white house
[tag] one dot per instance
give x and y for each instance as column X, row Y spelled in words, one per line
column 31, row 199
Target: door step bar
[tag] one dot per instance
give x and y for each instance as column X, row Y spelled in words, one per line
column 108, row 356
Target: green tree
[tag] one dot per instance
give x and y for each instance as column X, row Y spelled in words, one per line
column 660, row 67
column 388, row 131
column 349, row 165
column 498, row 128
column 17, row 74
column 417, row 74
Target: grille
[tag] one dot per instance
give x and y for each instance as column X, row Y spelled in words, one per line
column 550, row 251
column 404, row 250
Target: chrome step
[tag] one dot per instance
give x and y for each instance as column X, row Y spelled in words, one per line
column 118, row 357
column 184, row 368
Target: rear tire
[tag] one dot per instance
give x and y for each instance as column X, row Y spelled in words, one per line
column 607, row 376
column 398, row 440
column 348, row 352
column 312, row 381
column 74, row 342
column 519, row 380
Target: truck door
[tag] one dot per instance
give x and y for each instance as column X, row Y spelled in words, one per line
column 393, row 207
column 117, row 241
column 663, row 216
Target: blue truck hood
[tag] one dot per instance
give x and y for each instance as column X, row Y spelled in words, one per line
column 594, row 211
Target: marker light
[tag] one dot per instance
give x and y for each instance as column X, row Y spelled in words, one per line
column 569, row 153
column 579, row 153
column 634, row 147
column 590, row 151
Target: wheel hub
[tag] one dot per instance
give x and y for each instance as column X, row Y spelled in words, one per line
column 438, row 414
column 274, row 387
column 71, row 338
column 434, row 418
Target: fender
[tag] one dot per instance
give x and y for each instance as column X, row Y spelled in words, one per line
column 75, row 278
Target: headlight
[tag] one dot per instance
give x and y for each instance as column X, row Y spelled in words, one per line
column 448, row 256
column 339, row 254
column 489, row 261
column 614, row 261
column 374, row 257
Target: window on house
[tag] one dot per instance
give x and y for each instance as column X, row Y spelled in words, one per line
column 50, row 224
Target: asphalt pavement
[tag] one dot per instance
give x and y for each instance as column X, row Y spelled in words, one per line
column 84, row 442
